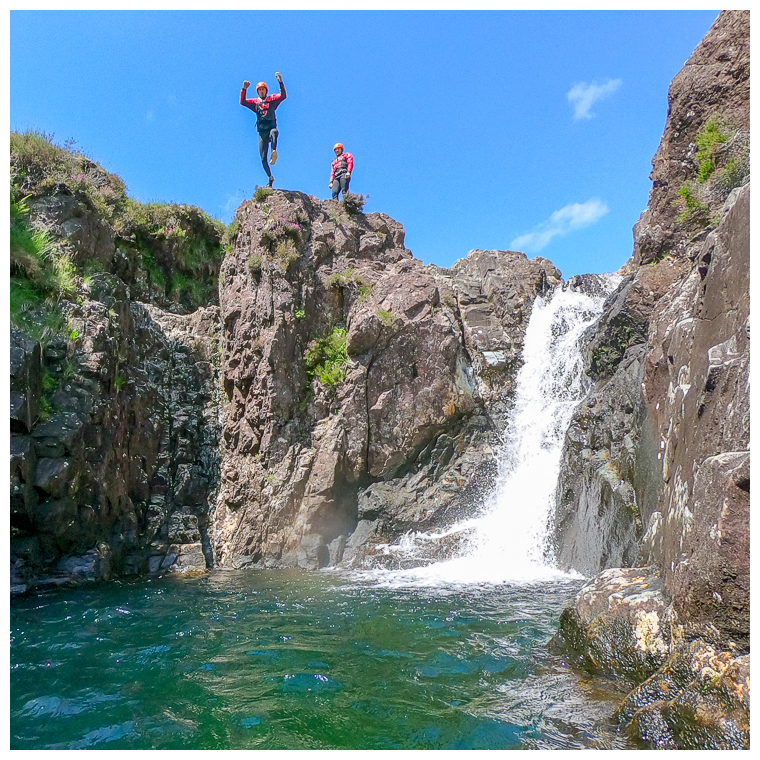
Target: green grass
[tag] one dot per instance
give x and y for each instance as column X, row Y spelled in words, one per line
column 40, row 275
column 286, row 253
column 188, row 290
column 156, row 276
column 254, row 263
column 722, row 164
column 178, row 247
column 690, row 208
column 710, row 140
column 37, row 165
column 262, row 193
column 29, row 247
column 363, row 289
column 230, row 236
column 326, row 358
column 350, row 277
column 386, row 317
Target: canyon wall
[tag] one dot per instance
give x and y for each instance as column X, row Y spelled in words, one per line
column 656, row 463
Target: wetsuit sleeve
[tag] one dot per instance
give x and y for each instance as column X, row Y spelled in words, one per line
column 349, row 162
column 332, row 171
column 278, row 97
column 244, row 101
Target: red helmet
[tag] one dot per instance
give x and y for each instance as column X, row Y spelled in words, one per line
column 338, row 145
column 260, row 85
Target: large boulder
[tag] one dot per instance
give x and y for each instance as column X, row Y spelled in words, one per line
column 686, row 691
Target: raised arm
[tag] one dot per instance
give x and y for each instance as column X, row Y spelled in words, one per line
column 283, row 94
column 243, row 92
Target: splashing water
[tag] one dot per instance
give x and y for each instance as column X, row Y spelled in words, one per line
column 509, row 542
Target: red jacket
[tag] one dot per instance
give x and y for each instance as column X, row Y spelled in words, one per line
column 343, row 164
column 264, row 109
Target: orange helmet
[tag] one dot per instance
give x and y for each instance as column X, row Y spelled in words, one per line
column 338, row 145
column 260, row 85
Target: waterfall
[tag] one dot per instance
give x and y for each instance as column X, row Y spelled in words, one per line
column 509, row 542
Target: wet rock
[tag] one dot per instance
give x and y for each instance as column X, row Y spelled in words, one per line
column 619, row 623
column 183, row 558
column 687, row 691
column 699, row 700
column 89, row 566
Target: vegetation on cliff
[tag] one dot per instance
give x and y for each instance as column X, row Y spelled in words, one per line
column 721, row 164
column 326, row 357
column 71, row 219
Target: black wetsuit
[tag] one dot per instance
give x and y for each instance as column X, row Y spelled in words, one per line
column 266, row 121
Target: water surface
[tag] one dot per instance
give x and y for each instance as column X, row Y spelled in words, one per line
column 297, row 660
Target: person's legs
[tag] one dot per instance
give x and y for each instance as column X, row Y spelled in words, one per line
column 263, row 150
column 273, row 135
column 345, row 181
column 335, row 189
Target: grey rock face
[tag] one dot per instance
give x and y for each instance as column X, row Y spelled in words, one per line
column 656, row 463
column 697, row 386
column 122, row 463
column 605, row 475
column 25, row 382
column 611, row 473
column 316, row 473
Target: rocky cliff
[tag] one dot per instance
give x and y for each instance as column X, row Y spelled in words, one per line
column 656, row 463
column 113, row 382
column 364, row 390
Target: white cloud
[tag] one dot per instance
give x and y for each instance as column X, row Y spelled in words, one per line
column 584, row 95
column 572, row 217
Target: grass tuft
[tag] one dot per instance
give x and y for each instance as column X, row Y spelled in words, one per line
column 326, row 358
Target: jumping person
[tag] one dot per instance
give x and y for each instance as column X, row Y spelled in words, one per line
column 340, row 174
column 266, row 120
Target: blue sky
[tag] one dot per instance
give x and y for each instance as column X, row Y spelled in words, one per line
column 512, row 129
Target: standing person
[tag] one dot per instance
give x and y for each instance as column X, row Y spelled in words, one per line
column 340, row 175
column 266, row 121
